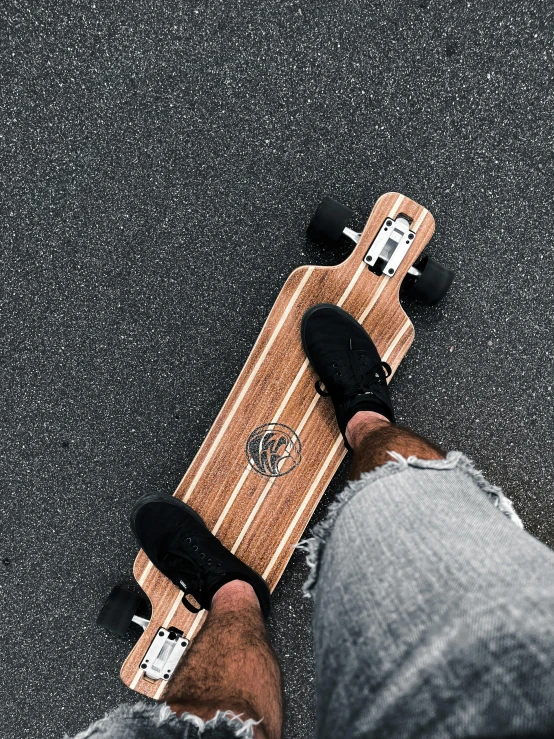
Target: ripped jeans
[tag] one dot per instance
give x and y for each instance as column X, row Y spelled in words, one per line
column 433, row 616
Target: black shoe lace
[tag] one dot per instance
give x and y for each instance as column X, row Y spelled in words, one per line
column 357, row 377
column 190, row 574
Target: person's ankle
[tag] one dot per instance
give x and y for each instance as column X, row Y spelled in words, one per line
column 235, row 594
column 363, row 423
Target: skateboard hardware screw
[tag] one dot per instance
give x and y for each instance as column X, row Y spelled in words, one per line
column 161, row 633
column 166, row 676
column 183, row 644
column 143, row 666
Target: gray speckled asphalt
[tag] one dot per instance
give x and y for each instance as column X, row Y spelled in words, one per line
column 159, row 162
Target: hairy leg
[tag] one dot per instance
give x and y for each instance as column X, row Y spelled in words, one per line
column 231, row 665
column 372, row 437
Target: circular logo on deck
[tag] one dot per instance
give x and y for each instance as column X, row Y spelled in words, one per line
column 273, row 450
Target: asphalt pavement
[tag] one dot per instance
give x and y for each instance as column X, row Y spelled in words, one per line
column 159, row 162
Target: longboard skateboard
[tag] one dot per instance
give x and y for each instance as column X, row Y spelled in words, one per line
column 275, row 445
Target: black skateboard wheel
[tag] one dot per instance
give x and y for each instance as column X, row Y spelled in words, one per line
column 433, row 283
column 118, row 610
column 329, row 220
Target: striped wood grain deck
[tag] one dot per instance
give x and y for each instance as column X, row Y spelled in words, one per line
column 262, row 518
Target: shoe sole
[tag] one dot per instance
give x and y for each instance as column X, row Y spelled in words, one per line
column 159, row 498
column 313, row 310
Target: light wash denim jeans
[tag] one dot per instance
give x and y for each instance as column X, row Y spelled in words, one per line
column 433, row 616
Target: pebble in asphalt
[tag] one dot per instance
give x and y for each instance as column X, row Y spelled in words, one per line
column 159, row 164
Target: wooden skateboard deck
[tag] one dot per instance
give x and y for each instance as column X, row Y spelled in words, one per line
column 275, row 444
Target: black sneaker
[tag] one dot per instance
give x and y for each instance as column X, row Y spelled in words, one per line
column 178, row 542
column 346, row 360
